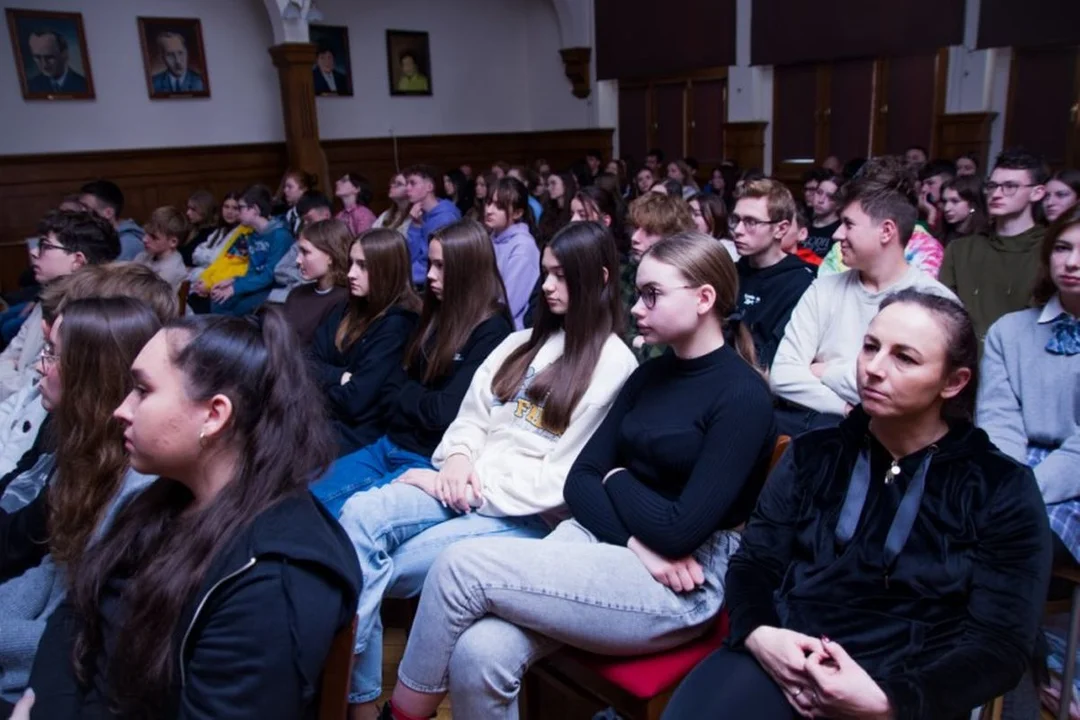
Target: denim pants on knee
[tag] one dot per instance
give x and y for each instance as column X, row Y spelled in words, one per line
column 369, row 467
column 492, row 607
column 398, row 530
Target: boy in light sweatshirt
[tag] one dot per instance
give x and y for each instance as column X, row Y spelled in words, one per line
column 813, row 373
column 168, row 227
column 428, row 213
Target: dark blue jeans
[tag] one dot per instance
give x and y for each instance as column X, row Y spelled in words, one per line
column 369, row 467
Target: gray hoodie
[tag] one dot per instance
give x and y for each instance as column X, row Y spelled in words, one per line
column 27, row 601
column 131, row 236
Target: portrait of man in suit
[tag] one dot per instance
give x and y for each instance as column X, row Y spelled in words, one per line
column 50, row 53
column 331, row 73
column 174, row 58
column 177, row 77
column 49, row 50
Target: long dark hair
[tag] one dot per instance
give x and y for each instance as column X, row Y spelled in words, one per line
column 961, row 345
column 100, row 338
column 472, row 292
column 585, row 250
column 556, row 216
column 1044, row 284
column 600, row 202
column 970, row 190
column 463, row 190
column 389, row 284
column 164, row 546
column 510, row 195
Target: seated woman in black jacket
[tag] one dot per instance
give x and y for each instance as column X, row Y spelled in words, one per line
column 895, row 566
column 217, row 592
column 360, row 345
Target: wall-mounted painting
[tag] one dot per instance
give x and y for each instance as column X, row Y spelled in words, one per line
column 333, row 65
column 174, row 58
column 50, row 54
column 408, row 57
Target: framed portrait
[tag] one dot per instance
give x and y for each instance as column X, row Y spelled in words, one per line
column 174, row 58
column 408, row 58
column 51, row 55
column 332, row 71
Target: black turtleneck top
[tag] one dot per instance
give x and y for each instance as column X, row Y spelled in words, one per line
column 691, row 440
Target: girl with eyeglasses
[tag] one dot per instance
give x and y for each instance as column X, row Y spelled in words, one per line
column 656, row 495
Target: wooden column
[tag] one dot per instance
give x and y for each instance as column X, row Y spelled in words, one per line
column 294, row 62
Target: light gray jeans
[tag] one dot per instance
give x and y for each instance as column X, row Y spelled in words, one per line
column 398, row 530
column 492, row 607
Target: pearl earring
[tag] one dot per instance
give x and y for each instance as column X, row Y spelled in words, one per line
column 202, row 438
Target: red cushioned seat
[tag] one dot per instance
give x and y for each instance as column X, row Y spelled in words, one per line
column 646, row 676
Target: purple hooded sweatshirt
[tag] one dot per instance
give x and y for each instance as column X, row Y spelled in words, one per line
column 518, row 259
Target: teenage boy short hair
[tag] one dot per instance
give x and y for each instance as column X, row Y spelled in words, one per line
column 945, row 168
column 427, row 172
column 258, row 197
column 169, row 223
column 107, row 193
column 82, row 232
column 1020, row 159
column 778, row 199
column 885, row 190
column 313, row 200
column 662, row 215
column 656, row 153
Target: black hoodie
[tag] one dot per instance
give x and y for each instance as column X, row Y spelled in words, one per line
column 766, row 298
column 250, row 643
column 947, row 626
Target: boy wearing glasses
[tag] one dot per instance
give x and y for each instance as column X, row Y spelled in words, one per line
column 69, row 240
column 770, row 280
column 994, row 276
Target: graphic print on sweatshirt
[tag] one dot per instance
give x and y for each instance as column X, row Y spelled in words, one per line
column 529, row 415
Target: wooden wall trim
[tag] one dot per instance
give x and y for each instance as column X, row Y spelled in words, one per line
column 30, row 185
column 959, row 133
column 744, row 143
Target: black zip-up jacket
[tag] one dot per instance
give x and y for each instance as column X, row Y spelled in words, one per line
column 356, row 408
column 948, row 626
column 251, row 643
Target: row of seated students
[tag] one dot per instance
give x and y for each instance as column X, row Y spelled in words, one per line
column 891, row 550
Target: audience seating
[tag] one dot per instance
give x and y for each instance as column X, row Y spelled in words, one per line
column 639, row 687
column 337, row 672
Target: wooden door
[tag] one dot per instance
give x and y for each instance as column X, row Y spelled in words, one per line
column 851, row 86
column 708, row 112
column 634, row 121
column 910, row 94
column 1043, row 103
column 669, row 118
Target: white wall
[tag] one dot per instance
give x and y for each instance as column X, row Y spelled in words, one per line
column 245, row 102
column 495, row 68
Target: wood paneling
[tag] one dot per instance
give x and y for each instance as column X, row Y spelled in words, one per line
column 909, row 96
column 795, row 113
column 30, row 185
column 960, row 133
column 744, row 143
column 1009, row 23
column 788, row 32
column 848, row 117
column 643, row 38
column 669, row 124
column 1044, row 96
column 635, row 117
column 708, row 110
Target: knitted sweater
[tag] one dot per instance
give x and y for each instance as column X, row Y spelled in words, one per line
column 1028, row 396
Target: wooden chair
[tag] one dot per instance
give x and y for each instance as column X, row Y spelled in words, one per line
column 182, row 294
column 337, row 673
column 639, row 688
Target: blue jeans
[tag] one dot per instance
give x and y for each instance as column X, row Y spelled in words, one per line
column 398, row 531
column 369, row 467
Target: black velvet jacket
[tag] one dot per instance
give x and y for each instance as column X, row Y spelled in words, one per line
column 952, row 623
